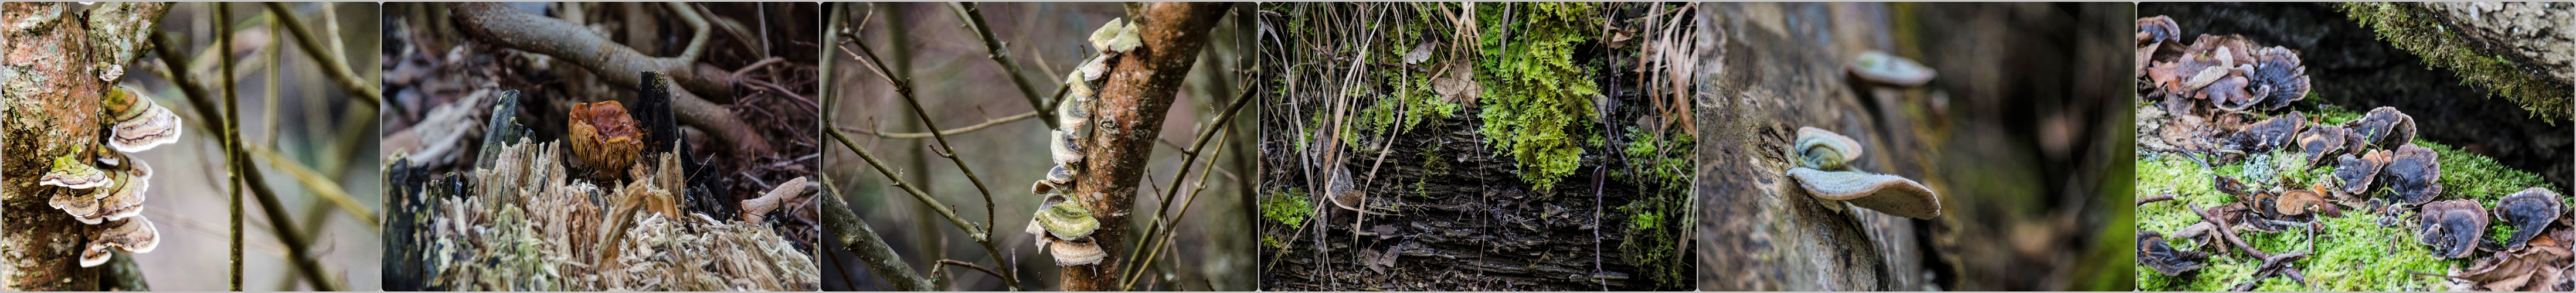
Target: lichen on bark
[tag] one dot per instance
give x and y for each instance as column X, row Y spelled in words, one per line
column 50, row 86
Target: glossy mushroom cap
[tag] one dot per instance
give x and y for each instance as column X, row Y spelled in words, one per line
column 1889, row 69
column 1884, row 193
column 2530, row 212
column 2414, row 174
column 139, row 124
column 605, row 136
column 2154, row 253
column 2452, row 227
column 1825, row 150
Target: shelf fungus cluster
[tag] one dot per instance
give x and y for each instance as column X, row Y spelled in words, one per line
column 1825, row 172
column 2452, row 227
column 1063, row 229
column 2230, row 72
column 104, row 185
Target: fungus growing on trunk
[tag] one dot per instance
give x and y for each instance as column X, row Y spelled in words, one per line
column 1063, row 228
column 1889, row 69
column 1826, row 174
column 130, row 236
column 138, row 123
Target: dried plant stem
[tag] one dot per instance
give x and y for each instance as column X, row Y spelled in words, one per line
column 1222, row 122
column 994, row 48
column 332, row 64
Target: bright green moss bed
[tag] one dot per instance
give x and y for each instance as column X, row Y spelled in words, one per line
column 2353, row 253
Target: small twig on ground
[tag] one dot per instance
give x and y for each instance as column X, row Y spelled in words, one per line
column 2165, row 197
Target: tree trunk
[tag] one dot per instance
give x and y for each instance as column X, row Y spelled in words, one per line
column 52, row 97
column 1132, row 105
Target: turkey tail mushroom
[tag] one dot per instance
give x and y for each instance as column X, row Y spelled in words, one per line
column 2414, row 173
column 2530, row 212
column 139, row 124
column 2452, row 227
column 1884, row 193
column 2153, row 252
column 1826, row 150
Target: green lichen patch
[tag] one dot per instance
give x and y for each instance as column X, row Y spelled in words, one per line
column 2409, row 27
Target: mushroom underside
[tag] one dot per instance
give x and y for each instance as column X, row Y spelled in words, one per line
column 1884, row 193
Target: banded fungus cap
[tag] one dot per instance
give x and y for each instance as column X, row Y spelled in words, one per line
column 2452, row 227
column 1127, row 39
column 1038, row 230
column 1077, row 92
column 1059, row 176
column 1076, row 252
column 75, row 174
column 2384, row 127
column 2276, row 132
column 2358, row 173
column 2321, row 142
column 2529, row 211
column 1884, row 193
column 1889, row 69
column 134, row 235
column 119, row 202
column 2414, row 174
column 1067, row 220
column 138, row 123
column 1091, row 70
column 1064, row 148
column 1825, row 150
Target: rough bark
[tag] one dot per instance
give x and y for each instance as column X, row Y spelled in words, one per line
column 1132, row 105
column 2536, row 34
column 51, row 91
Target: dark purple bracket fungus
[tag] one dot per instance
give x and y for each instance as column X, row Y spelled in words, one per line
column 2269, row 134
column 2358, row 173
column 2384, row 127
column 2153, row 252
column 2278, row 78
column 2452, row 227
column 1880, row 67
column 2530, row 212
column 2154, row 34
column 1827, row 174
column 2414, row 174
column 2321, row 142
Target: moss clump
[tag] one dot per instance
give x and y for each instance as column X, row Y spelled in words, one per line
column 1286, row 208
column 1662, row 164
column 1536, row 99
column 2408, row 27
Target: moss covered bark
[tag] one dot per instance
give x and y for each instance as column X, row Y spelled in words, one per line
column 2413, row 28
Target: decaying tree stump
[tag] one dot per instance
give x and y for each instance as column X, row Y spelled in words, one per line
column 51, row 68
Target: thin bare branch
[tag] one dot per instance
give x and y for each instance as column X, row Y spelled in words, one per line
column 959, row 130
column 1223, row 121
column 335, row 67
column 994, row 48
column 862, row 241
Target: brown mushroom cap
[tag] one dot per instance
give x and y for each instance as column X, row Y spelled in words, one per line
column 1884, row 193
column 2229, row 93
column 2154, row 253
column 2529, row 211
column 2278, row 78
column 2298, row 202
column 605, row 136
column 2414, row 174
column 2452, row 227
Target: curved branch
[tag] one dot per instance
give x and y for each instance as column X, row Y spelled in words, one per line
column 993, row 48
column 959, row 130
column 332, row 65
column 614, row 63
column 863, row 241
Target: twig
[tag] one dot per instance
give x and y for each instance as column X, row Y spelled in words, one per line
column 971, row 266
column 956, row 131
column 862, row 241
column 1222, row 122
column 233, row 181
column 903, row 87
column 322, row 187
column 247, row 177
column 2165, row 197
column 993, row 48
column 330, row 60
column 972, row 231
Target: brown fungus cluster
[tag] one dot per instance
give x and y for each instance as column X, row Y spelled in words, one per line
column 2229, row 72
column 104, row 184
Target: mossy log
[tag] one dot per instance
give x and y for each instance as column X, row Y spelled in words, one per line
column 51, row 85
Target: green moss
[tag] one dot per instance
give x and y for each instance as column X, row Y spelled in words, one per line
column 1287, row 208
column 1537, row 102
column 2352, row 253
column 2407, row 26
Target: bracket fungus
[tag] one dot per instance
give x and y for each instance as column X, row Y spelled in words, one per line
column 2153, row 35
column 72, row 173
column 2358, row 173
column 2384, row 127
column 1889, row 69
column 1826, row 174
column 138, row 123
column 2298, row 202
column 2452, row 227
column 2321, row 142
column 1063, row 228
column 129, row 236
column 2153, row 252
column 2414, row 174
column 2229, row 71
column 2269, row 134
column 605, row 137
column 2529, row 211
